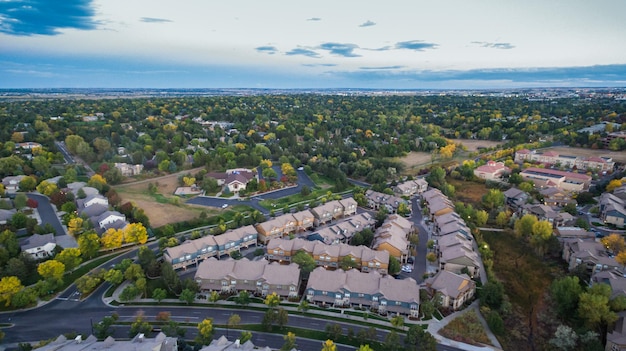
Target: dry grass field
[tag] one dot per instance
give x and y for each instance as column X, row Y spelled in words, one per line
column 473, row 145
column 618, row 156
column 163, row 207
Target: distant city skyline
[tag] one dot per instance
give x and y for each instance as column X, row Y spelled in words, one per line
column 454, row 44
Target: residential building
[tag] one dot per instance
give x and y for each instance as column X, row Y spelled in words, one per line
column 343, row 231
column 92, row 200
column 280, row 226
column 552, row 158
column 613, row 210
column 393, row 236
column 129, row 170
column 515, row 198
column 256, row 277
column 593, row 255
column 364, row 290
column 140, row 342
column 411, row 187
column 567, row 181
column 547, row 213
column 457, row 258
column 454, row 289
column 616, row 337
column 362, row 257
column 556, row 197
column 192, row 252
column 12, row 183
column 376, row 200
column 614, row 135
column 492, row 170
column 573, row 233
column 223, row 344
column 39, row 246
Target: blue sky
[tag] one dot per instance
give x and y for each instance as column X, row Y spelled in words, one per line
column 323, row 44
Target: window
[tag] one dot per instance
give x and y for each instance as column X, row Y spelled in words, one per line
column 292, row 288
column 258, row 283
column 398, row 303
column 384, row 303
column 233, row 282
column 337, row 296
column 188, row 257
column 374, row 298
column 279, row 286
column 224, row 283
column 347, row 294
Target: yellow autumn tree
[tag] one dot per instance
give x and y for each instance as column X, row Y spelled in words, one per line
column 75, row 226
column 51, row 269
column 9, row 286
column 135, row 233
column 112, row 238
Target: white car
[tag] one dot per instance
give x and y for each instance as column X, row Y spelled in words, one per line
column 224, row 205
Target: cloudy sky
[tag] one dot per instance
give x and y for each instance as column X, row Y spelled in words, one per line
column 397, row 44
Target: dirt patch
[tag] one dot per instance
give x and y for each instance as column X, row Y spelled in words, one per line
column 415, row 159
column 162, row 207
column 473, row 144
column 618, row 156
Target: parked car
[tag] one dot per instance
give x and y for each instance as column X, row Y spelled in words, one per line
column 224, row 205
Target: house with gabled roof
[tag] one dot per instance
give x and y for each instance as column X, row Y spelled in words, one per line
column 39, row 246
column 364, row 290
column 453, row 289
column 456, row 258
column 411, row 187
column 515, row 198
column 613, row 210
column 492, row 170
column 589, row 253
column 376, row 200
column 257, row 277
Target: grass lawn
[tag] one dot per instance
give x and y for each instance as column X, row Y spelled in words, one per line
column 466, row 328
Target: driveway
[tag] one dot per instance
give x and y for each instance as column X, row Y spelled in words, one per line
column 48, row 213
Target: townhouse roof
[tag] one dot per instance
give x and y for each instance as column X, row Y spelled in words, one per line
column 453, row 227
column 450, row 284
column 447, row 218
column 244, row 269
column 302, row 215
column 451, row 240
column 94, row 210
column 347, row 202
column 459, row 255
column 405, row 290
column 514, row 193
column 432, row 193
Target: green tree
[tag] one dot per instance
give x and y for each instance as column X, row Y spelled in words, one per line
column 28, row 183
column 493, row 199
column 365, row 348
column 303, row 306
column 565, row 293
column 114, row 276
column 243, row 298
column 346, row 263
column 159, row 294
column 417, row 339
column 334, row 331
column 565, row 338
column 397, row 321
column 89, row 244
column 139, row 326
column 524, row 225
column 540, row 236
column 394, row 266
column 282, row 317
column 103, row 329
column 492, row 294
column 134, row 272
column 245, row 336
column 129, row 293
column 187, row 296
column 502, row 219
column 234, row 321
column 392, row 341
column 480, row 218
column 70, row 257
column 87, row 283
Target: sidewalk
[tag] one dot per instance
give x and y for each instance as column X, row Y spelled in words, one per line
column 434, row 325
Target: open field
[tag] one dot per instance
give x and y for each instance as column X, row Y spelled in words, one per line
column 468, row 192
column 618, row 156
column 473, row 144
column 162, row 207
column 414, row 159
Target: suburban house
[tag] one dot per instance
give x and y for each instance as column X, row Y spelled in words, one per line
column 567, row 181
column 256, row 277
column 364, row 290
column 12, row 183
column 552, row 158
column 362, row 257
column 556, row 197
column 411, row 187
column 376, row 200
column 492, row 170
column 546, row 213
column 613, row 210
column 454, row 289
column 515, row 198
column 192, row 252
column 109, row 219
column 621, row 191
column 616, row 338
column 593, row 255
column 392, row 237
column 5, row 215
column 573, row 233
column 129, row 170
column 39, row 246
column 92, row 200
column 235, row 179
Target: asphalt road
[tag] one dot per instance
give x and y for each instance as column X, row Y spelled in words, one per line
column 47, row 212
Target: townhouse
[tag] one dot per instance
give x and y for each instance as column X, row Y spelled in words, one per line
column 343, row 231
column 256, row 277
column 411, row 187
column 458, row 258
column 589, row 253
column 556, row 197
column 546, row 213
column 333, row 210
column 193, row 252
column 567, row 161
column 376, row 200
column 329, row 256
column 613, row 209
column 454, row 289
column 437, row 203
column 515, row 198
column 284, row 225
column 392, row 237
column 364, row 290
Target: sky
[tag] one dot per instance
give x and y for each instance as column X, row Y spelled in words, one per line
column 395, row 44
